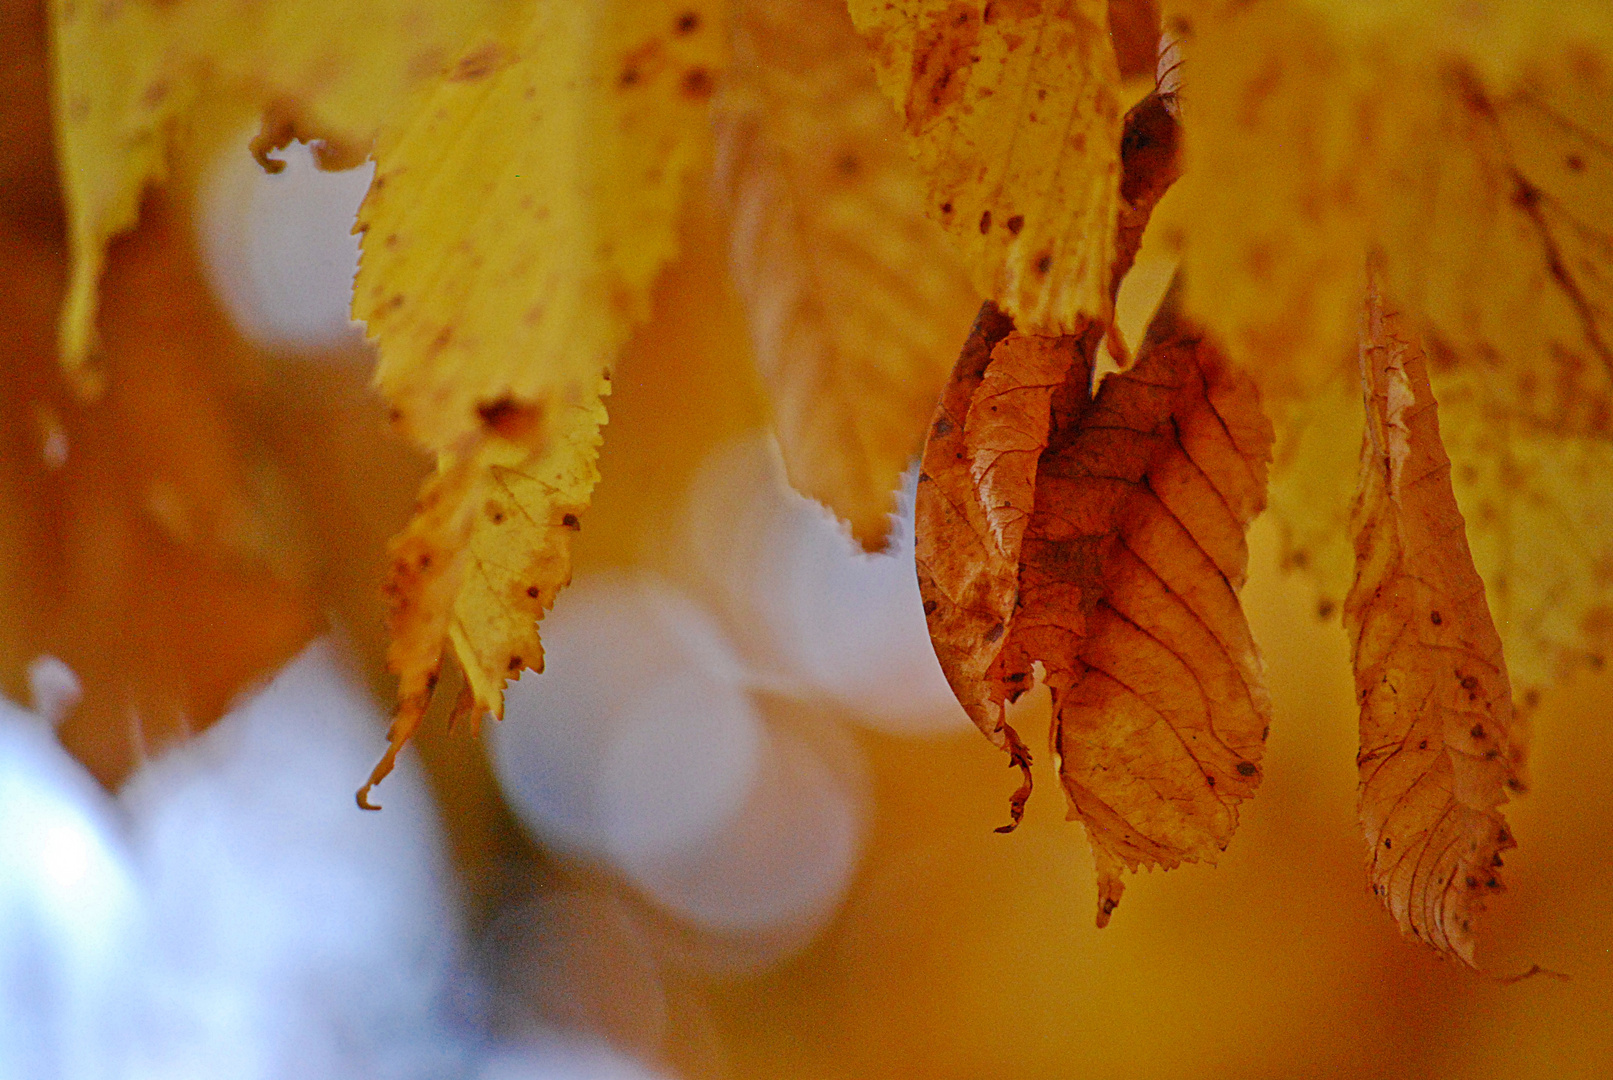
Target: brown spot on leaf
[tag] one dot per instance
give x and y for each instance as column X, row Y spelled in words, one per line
column 479, row 63
column 943, row 54
column 1014, row 224
column 985, row 222
column 697, row 84
column 516, row 421
column 687, row 23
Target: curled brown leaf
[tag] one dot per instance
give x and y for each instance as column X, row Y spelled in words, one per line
column 1438, row 743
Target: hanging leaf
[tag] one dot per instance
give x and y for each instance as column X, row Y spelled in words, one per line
column 500, row 278
column 1013, row 117
column 856, row 300
column 1439, row 746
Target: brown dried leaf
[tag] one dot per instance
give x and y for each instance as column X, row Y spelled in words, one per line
column 1124, row 586
column 855, row 297
column 968, row 580
column 1438, row 742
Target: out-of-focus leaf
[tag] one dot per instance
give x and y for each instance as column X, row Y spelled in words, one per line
column 1438, row 742
column 150, row 542
column 1467, row 145
column 856, row 299
column 130, row 78
column 1014, row 120
column 521, row 211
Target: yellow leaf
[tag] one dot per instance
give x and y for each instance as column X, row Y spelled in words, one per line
column 1014, row 118
column 856, row 300
column 1462, row 142
column 485, row 555
column 521, row 211
column 130, row 78
column 1467, row 149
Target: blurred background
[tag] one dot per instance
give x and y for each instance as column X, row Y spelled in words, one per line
column 738, row 830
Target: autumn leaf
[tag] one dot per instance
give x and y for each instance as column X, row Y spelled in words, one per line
column 1013, row 116
column 499, row 282
column 1439, row 746
column 856, row 300
column 147, row 536
column 1469, row 147
column 1123, row 585
column 133, row 79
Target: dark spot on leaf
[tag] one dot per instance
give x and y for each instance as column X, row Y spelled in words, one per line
column 847, row 164
column 1015, row 223
column 946, row 208
column 930, row 606
column 1387, row 844
column 532, row 591
column 994, row 633
column 1045, row 263
column 1436, row 618
column 943, row 426
column 1324, row 609
column 511, row 419
column 1209, row 780
column 1525, row 196
column 477, row 65
column 985, row 222
column 687, row 23
column 515, row 663
column 697, row 84
column 1575, row 163
column 1478, row 731
column 570, row 521
column 1247, row 768
column 1423, row 745
column 1472, row 882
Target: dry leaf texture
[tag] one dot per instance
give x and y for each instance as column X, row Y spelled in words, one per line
column 856, row 299
column 500, row 278
column 1013, row 118
column 1438, row 743
column 1119, row 575
column 131, row 78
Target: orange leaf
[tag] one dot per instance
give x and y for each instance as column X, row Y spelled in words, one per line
column 1438, row 742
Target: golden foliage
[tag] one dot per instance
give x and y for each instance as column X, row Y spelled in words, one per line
column 854, row 294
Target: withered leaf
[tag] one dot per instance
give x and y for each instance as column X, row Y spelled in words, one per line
column 856, row 299
column 1438, row 744
column 1123, row 586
